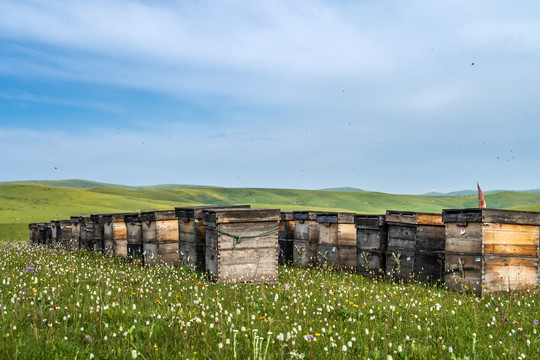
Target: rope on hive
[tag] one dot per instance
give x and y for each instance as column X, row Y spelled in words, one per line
column 237, row 239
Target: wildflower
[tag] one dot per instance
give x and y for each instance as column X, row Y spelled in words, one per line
column 344, row 348
column 134, row 354
column 450, row 350
column 91, row 356
column 280, row 337
column 535, row 322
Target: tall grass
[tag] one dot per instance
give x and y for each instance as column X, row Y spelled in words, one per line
column 58, row 304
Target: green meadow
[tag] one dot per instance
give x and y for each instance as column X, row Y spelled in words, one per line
column 37, row 201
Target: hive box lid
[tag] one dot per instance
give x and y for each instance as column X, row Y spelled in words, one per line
column 491, row 216
column 414, row 218
column 132, row 218
column 370, row 221
column 304, row 215
column 197, row 212
column 287, row 215
column 158, row 215
column 107, row 218
column 241, row 215
column 336, row 218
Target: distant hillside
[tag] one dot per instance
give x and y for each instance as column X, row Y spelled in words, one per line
column 85, row 184
column 346, row 188
column 23, row 204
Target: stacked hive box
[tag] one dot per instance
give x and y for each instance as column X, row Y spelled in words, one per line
column 160, row 237
column 98, row 232
column 286, row 237
column 337, row 240
column 242, row 245
column 61, row 234
column 415, row 245
column 87, row 233
column 192, row 234
column 489, row 251
column 371, row 242
column 41, row 233
column 134, row 236
column 75, row 233
column 114, row 235
column 306, row 238
column 34, row 233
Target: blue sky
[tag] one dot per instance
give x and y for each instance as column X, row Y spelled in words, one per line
column 391, row 96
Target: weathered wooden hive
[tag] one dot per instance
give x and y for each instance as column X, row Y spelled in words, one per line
column 337, row 240
column 371, row 243
column 192, row 234
column 61, row 233
column 415, row 245
column 306, row 238
column 242, row 245
column 114, row 235
column 44, row 234
column 98, row 232
column 34, row 233
column 286, row 238
column 75, row 243
column 490, row 251
column 87, row 233
column 160, row 237
column 134, row 236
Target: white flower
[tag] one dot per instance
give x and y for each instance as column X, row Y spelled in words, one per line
column 399, row 348
column 134, row 354
column 134, row 307
column 280, row 337
column 450, row 350
column 91, row 356
column 344, row 348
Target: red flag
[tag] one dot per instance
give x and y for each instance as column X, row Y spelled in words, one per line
column 481, row 201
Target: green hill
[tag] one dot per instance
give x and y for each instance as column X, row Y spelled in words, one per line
column 23, row 204
column 82, row 184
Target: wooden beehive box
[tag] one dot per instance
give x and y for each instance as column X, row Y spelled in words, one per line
column 134, row 236
column 160, row 237
column 98, row 232
column 45, row 234
column 87, row 233
column 61, row 233
column 490, row 251
column 192, row 234
column 114, row 235
column 371, row 243
column 306, row 238
column 75, row 243
column 286, row 238
column 242, row 245
column 337, row 240
column 415, row 249
column 34, row 233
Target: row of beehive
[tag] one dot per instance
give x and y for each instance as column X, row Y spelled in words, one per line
column 231, row 243
column 483, row 250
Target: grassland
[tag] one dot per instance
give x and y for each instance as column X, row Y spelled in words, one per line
column 21, row 204
column 60, row 305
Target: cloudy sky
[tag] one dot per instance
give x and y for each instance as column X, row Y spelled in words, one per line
column 392, row 96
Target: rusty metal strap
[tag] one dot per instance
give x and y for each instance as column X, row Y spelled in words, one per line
column 237, row 239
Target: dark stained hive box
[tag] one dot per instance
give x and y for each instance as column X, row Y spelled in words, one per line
column 134, row 236
column 160, row 237
column 252, row 259
column 98, row 232
column 286, row 238
column 114, row 235
column 34, row 233
column 415, row 248
column 41, row 229
column 75, row 233
column 192, row 234
column 371, row 243
column 61, row 233
column 337, row 240
column 87, row 233
column 306, row 238
column 490, row 251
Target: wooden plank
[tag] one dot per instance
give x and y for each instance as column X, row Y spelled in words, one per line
column 470, row 278
column 403, row 268
column 511, row 234
column 217, row 240
column 120, row 247
column 304, row 253
column 505, row 273
column 429, row 265
column 164, row 253
column 197, row 212
column 430, row 238
column 224, row 216
column 305, row 215
column 401, row 237
column 328, row 234
column 192, row 255
column 370, row 263
column 413, row 218
column 346, row 234
column 369, row 239
column 491, row 216
column 370, row 221
column 244, row 266
column 119, row 230
column 328, row 255
column 306, row 230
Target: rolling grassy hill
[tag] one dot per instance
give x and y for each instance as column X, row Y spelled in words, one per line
column 21, row 204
